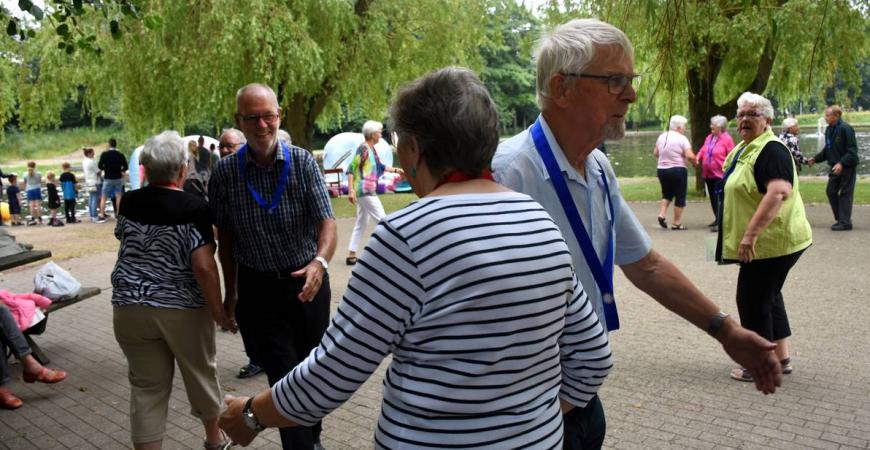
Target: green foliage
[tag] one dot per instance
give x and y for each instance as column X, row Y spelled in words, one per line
column 509, row 72
column 183, row 62
column 18, row 146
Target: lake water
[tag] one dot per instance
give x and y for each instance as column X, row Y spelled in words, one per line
column 633, row 155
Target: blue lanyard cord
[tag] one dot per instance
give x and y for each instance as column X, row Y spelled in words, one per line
column 710, row 146
column 282, row 181
column 720, row 192
column 602, row 273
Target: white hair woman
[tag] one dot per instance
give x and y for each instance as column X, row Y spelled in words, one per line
column 672, row 151
column 166, row 293
column 711, row 156
column 471, row 288
column 789, row 137
column 362, row 185
column 763, row 225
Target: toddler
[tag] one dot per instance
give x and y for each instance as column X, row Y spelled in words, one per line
column 14, row 202
column 68, row 186
column 53, row 200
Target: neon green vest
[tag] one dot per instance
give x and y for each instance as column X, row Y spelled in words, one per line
column 789, row 231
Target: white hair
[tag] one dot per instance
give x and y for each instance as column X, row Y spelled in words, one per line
column 720, row 122
column 163, row 156
column 237, row 133
column 677, row 122
column 285, row 136
column 371, row 127
column 756, row 101
column 570, row 47
column 788, row 122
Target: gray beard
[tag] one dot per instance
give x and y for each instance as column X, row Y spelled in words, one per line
column 614, row 132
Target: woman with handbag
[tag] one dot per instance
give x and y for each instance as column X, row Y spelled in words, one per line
column 363, row 191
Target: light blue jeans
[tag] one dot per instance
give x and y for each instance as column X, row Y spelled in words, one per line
column 94, row 201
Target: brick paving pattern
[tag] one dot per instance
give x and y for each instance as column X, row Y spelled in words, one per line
column 669, row 389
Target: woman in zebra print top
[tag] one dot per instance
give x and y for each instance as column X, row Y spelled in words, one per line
column 472, row 291
column 166, row 296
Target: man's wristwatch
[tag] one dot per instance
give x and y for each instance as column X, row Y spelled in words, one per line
column 249, row 417
column 716, row 323
column 322, row 262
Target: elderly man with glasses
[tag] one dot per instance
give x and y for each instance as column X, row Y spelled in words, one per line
column 585, row 83
column 277, row 233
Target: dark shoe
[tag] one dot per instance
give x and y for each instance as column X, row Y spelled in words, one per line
column 714, row 229
column 101, row 219
column 741, row 374
column 786, row 366
column 662, row 222
column 249, row 371
column 713, row 223
column 318, row 446
column 678, row 226
column 841, row 226
column 350, row 260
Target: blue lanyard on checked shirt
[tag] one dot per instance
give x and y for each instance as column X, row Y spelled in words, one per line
column 601, row 272
column 282, row 181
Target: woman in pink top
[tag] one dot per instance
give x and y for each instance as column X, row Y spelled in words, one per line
column 711, row 156
column 673, row 150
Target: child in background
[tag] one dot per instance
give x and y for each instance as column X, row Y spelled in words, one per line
column 68, row 186
column 33, row 187
column 14, row 202
column 53, row 200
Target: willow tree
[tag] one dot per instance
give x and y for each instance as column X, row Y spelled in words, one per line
column 183, row 61
column 700, row 55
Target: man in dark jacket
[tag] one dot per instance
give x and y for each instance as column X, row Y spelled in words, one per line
column 841, row 153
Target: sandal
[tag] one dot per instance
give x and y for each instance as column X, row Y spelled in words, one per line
column 741, row 374
column 45, row 375
column 786, row 366
column 222, row 445
column 350, row 260
column 9, row 400
column 678, row 226
column 663, row 223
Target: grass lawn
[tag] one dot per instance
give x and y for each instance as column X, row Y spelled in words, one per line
column 17, row 146
column 633, row 190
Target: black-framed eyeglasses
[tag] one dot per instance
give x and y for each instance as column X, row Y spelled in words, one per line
column 616, row 84
column 268, row 117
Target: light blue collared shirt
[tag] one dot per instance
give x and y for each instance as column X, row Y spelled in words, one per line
column 518, row 166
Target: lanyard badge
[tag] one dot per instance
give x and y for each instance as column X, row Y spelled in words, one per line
column 601, row 272
column 271, row 207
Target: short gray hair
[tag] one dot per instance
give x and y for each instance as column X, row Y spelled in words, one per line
column 285, row 136
column 238, row 133
column 788, row 122
column 756, row 101
column 163, row 156
column 570, row 47
column 719, row 121
column 451, row 116
column 371, row 127
column 249, row 87
column 677, row 122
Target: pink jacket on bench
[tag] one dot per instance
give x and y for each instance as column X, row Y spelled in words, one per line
column 23, row 306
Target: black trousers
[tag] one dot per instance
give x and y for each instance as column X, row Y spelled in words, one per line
column 585, row 427
column 841, row 190
column 712, row 186
column 69, row 207
column 283, row 331
column 759, row 296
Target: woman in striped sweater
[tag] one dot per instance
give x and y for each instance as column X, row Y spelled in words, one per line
column 470, row 288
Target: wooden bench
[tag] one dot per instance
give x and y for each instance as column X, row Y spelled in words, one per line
column 20, row 259
column 39, row 328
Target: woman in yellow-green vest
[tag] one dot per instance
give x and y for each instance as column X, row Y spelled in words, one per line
column 763, row 225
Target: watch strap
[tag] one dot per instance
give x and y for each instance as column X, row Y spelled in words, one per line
column 716, row 323
column 250, row 419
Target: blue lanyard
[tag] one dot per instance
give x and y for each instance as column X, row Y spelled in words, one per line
column 710, row 146
column 282, row 182
column 829, row 141
column 602, row 273
column 720, row 192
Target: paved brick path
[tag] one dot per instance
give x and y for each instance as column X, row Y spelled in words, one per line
column 669, row 389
